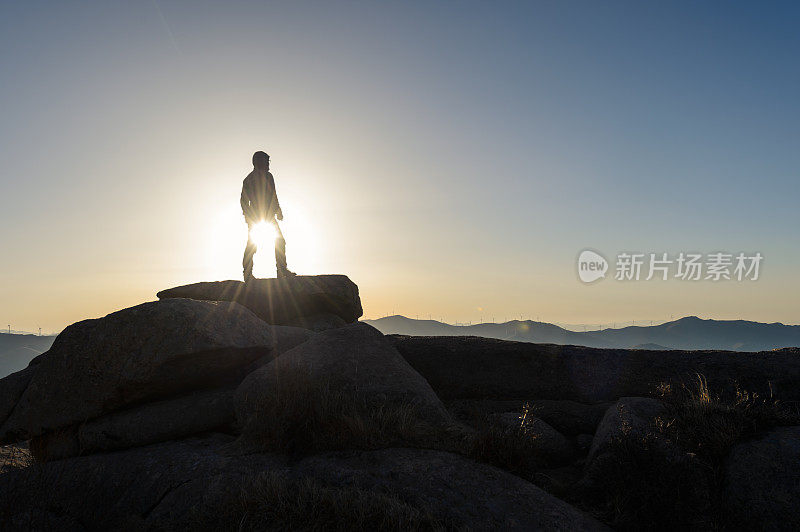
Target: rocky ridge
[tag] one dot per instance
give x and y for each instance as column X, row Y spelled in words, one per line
column 188, row 412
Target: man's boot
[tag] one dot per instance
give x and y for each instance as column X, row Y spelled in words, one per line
column 248, row 275
column 284, row 272
column 280, row 256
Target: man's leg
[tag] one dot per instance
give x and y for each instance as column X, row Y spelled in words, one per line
column 280, row 253
column 247, row 261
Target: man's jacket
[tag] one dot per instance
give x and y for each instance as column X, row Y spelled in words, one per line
column 259, row 200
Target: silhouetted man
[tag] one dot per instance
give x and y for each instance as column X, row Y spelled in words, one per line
column 260, row 204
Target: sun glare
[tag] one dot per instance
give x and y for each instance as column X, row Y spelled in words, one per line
column 263, row 235
column 227, row 236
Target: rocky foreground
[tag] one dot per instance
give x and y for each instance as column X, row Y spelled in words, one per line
column 268, row 406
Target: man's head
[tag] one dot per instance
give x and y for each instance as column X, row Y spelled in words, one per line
column 260, row 160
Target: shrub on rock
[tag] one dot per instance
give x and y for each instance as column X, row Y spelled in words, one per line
column 631, row 417
column 549, row 445
column 673, row 468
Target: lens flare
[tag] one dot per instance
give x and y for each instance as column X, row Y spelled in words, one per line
column 263, row 235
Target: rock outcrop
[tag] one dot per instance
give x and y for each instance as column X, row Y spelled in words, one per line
column 145, row 353
column 485, row 368
column 467, row 494
column 285, row 301
column 258, row 406
column 11, row 389
column 762, row 481
column 191, row 484
column 172, row 419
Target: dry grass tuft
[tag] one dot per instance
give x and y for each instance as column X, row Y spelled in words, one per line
column 509, row 447
column 709, row 424
column 14, row 457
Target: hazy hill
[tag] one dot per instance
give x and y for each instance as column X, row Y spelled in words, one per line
column 686, row 333
column 521, row 331
column 16, row 350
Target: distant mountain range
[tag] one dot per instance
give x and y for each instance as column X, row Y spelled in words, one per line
column 686, row 333
column 16, row 350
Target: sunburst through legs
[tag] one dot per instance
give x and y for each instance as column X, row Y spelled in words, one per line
column 263, row 235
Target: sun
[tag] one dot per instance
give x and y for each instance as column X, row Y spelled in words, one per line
column 226, row 236
column 263, row 235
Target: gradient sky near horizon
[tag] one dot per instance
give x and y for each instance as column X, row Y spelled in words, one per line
column 452, row 158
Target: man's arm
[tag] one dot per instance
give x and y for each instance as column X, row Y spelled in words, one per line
column 275, row 202
column 247, row 209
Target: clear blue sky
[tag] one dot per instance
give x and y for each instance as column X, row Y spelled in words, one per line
column 451, row 157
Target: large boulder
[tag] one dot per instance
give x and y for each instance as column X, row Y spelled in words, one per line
column 485, row 368
column 144, row 353
column 318, row 322
column 762, row 481
column 196, row 413
column 282, row 301
column 191, row 484
column 353, row 366
column 11, row 389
